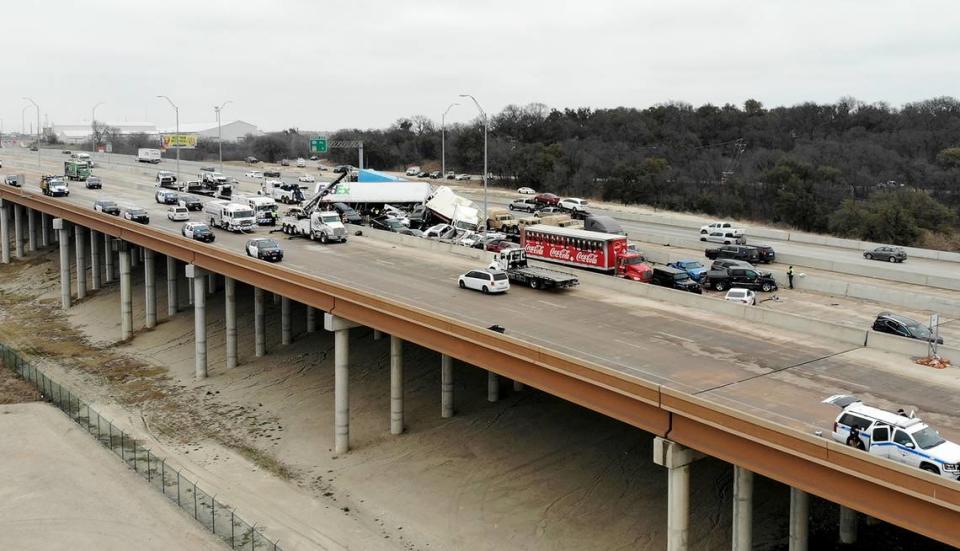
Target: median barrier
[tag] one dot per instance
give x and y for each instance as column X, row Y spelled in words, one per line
column 909, row 347
column 810, row 326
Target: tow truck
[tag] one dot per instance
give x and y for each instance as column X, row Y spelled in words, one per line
column 513, row 262
column 54, row 186
column 309, row 221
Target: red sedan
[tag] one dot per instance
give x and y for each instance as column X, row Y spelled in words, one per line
column 547, row 199
column 498, row 245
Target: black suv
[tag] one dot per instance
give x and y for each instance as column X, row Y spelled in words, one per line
column 724, row 263
column 673, row 278
column 894, row 324
column 721, row 280
column 189, row 202
column 736, row 252
column 766, row 253
column 107, row 207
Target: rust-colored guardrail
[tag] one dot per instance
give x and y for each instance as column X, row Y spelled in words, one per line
column 904, row 496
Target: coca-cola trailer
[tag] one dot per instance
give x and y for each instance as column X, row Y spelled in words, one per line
column 574, row 247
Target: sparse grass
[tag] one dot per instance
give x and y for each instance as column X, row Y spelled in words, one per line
column 263, row 460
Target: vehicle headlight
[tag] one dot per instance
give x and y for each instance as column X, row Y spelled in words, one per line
column 952, row 467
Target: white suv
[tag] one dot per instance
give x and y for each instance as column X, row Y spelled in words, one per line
column 573, row 204
column 896, row 436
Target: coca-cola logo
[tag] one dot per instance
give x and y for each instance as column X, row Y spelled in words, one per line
column 588, row 258
column 535, row 249
column 560, row 254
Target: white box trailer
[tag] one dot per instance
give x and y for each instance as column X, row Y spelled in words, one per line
column 145, row 155
column 376, row 193
column 454, row 209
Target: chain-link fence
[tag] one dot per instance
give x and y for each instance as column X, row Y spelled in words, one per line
column 205, row 509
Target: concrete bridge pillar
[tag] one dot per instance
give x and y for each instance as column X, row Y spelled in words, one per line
column 126, row 292
column 31, row 230
column 848, row 526
column 341, row 339
column 285, row 333
column 377, row 335
column 44, row 229
column 799, row 520
column 230, row 303
column 446, row 386
column 396, row 385
column 677, row 459
column 211, row 283
column 311, row 319
column 517, row 386
column 150, row 288
column 172, row 291
column 108, row 258
column 742, row 509
column 95, row 260
column 493, row 386
column 198, row 276
column 259, row 329
column 5, row 231
column 18, row 231
column 134, row 256
column 63, row 230
column 80, row 246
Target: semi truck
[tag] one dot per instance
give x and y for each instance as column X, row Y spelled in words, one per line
column 76, row 170
column 370, row 197
column 310, row 221
column 601, row 252
column 145, row 155
column 54, row 186
column 513, row 262
column 230, row 216
column 82, row 158
column 452, row 209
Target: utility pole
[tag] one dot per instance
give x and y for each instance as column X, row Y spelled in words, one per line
column 176, row 144
column 485, row 130
column 93, row 127
column 443, row 141
column 38, row 127
column 217, row 110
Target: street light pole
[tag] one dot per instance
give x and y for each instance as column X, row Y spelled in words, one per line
column 38, row 127
column 176, row 140
column 23, row 124
column 443, row 141
column 219, row 136
column 93, row 127
column 485, row 130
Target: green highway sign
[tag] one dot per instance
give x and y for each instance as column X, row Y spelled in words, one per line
column 318, row 144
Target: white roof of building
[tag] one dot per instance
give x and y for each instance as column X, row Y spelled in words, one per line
column 194, row 127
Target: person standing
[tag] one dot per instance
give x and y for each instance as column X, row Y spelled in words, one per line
column 790, row 276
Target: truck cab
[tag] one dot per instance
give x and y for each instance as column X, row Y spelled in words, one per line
column 693, row 268
column 75, row 169
column 54, row 186
column 632, row 266
column 266, row 210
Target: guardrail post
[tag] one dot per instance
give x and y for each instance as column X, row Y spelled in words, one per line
column 199, row 319
column 4, row 231
column 799, row 520
column 396, row 385
column 230, row 323
column 126, row 293
column 63, row 230
column 446, row 386
column 742, row 509
column 259, row 329
column 150, row 289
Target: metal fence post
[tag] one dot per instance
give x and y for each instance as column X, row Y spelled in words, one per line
column 233, row 530
column 195, row 515
column 122, row 450
column 253, row 535
column 178, row 490
column 163, row 476
column 148, row 467
column 213, row 515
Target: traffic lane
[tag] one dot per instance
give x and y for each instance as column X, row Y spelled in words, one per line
column 635, row 338
column 877, row 378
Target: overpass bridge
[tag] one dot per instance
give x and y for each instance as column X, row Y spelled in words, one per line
column 748, row 397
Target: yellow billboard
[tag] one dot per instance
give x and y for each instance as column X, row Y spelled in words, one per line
column 173, row 141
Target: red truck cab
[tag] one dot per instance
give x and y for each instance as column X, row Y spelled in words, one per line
column 632, row 266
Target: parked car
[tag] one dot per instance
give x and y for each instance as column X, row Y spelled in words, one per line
column 12, row 180
column 548, row 211
column 741, row 296
column 903, row 326
column 301, row 163
column 547, row 199
column 251, row 160
column 166, row 178
column 526, row 191
column 314, row 158
column 497, row 245
column 386, row 223
column 198, row 231
column 462, row 177
column 93, row 182
column 692, row 268
column 897, row 436
column 737, row 252
column 765, row 252
column 178, row 214
column 347, row 214
column 435, row 175
column 721, row 280
column 525, row 205
column 284, row 162
column 423, row 174
column 721, row 226
column 450, row 175
column 573, row 204
column 189, row 201
column 412, row 171
column 889, row 254
column 255, row 174
column 264, row 248
column 441, row 231
column 725, row 237
column 411, row 231
column 66, row 152
column 136, row 214
column 306, row 178
column 673, row 278
column 166, row 197
column 485, row 280
column 724, row 263
column 106, row 207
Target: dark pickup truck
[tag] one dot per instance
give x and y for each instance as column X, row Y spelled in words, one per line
column 736, row 252
column 721, row 280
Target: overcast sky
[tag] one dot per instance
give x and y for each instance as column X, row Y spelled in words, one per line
column 358, row 63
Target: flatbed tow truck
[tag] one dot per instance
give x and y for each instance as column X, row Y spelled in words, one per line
column 513, row 262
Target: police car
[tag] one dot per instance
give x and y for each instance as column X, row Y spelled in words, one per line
column 896, row 436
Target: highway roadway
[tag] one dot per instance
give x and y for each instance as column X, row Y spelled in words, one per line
column 774, row 374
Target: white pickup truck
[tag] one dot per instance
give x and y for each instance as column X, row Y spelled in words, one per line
column 721, row 227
